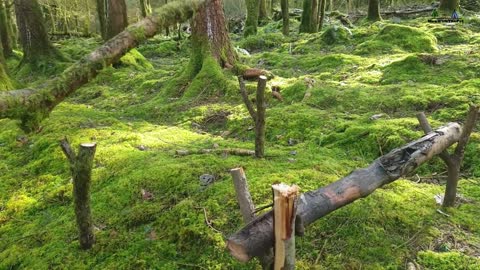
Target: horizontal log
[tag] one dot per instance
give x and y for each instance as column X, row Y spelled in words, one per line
column 257, row 236
column 228, row 151
column 19, row 104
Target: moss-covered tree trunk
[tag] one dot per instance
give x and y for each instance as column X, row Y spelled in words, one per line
column 321, row 14
column 285, row 17
column 117, row 19
column 263, row 12
column 309, row 17
column 4, row 32
column 11, row 27
column 374, row 10
column 5, row 82
column 145, row 8
column 33, row 33
column 449, row 5
column 253, row 12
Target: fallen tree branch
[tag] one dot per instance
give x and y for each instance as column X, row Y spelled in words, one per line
column 232, row 151
column 257, row 236
column 33, row 105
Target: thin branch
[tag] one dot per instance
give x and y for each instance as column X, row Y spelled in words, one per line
column 467, row 131
column 247, row 101
column 67, row 150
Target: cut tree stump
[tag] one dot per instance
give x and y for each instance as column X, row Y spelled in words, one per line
column 81, row 169
column 258, row 235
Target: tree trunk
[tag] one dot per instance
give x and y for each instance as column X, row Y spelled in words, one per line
column 33, row 33
column 263, row 12
column 449, row 6
column 5, row 82
column 145, row 8
column 321, row 15
column 4, row 32
column 257, row 236
column 210, row 35
column 260, row 118
column 32, row 105
column 309, row 22
column 253, row 10
column 102, row 18
column 285, row 17
column 374, row 10
column 116, row 19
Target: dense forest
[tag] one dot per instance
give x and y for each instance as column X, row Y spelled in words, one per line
column 239, row 134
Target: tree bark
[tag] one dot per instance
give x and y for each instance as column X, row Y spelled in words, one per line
column 309, row 22
column 285, row 17
column 116, row 19
column 244, row 198
column 5, row 82
column 145, row 8
column 321, row 14
column 374, row 10
column 102, row 17
column 4, row 32
column 260, row 118
column 35, row 104
column 449, row 5
column 263, row 12
column 253, row 10
column 210, row 40
column 81, row 168
column 33, row 33
column 257, row 236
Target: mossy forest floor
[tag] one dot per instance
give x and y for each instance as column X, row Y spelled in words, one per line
column 385, row 69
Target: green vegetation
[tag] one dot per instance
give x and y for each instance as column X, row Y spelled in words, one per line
column 138, row 117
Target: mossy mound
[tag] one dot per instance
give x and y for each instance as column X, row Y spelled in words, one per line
column 262, row 41
column 336, row 34
column 134, row 59
column 447, row 260
column 451, row 36
column 395, row 38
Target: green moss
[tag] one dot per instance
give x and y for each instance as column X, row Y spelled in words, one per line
column 135, row 59
column 393, row 37
column 262, row 41
column 451, row 36
column 447, row 261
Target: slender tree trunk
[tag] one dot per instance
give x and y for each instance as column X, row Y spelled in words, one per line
column 309, row 22
column 11, row 27
column 253, row 10
column 117, row 19
column 285, row 17
column 4, row 32
column 449, row 5
column 33, row 33
column 374, row 10
column 321, row 14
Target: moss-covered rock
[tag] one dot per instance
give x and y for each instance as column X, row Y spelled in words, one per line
column 336, row 34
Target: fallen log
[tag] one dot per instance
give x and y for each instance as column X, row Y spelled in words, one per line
column 33, row 105
column 258, row 236
column 228, row 151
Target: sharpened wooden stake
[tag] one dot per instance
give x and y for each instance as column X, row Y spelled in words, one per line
column 284, row 208
column 243, row 194
column 81, row 168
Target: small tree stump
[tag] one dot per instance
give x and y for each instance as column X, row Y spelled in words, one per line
column 81, row 169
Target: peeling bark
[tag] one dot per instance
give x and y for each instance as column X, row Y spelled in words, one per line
column 257, row 236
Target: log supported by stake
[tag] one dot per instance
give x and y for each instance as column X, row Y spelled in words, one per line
column 81, row 168
column 453, row 161
column 258, row 235
column 32, row 105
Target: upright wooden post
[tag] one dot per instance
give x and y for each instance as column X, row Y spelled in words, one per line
column 81, row 168
column 257, row 115
column 284, row 208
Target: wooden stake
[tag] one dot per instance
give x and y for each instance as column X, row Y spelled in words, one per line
column 81, row 168
column 284, row 202
column 260, row 122
column 243, row 194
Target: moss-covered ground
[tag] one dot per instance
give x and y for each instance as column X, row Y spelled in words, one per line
column 385, row 70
